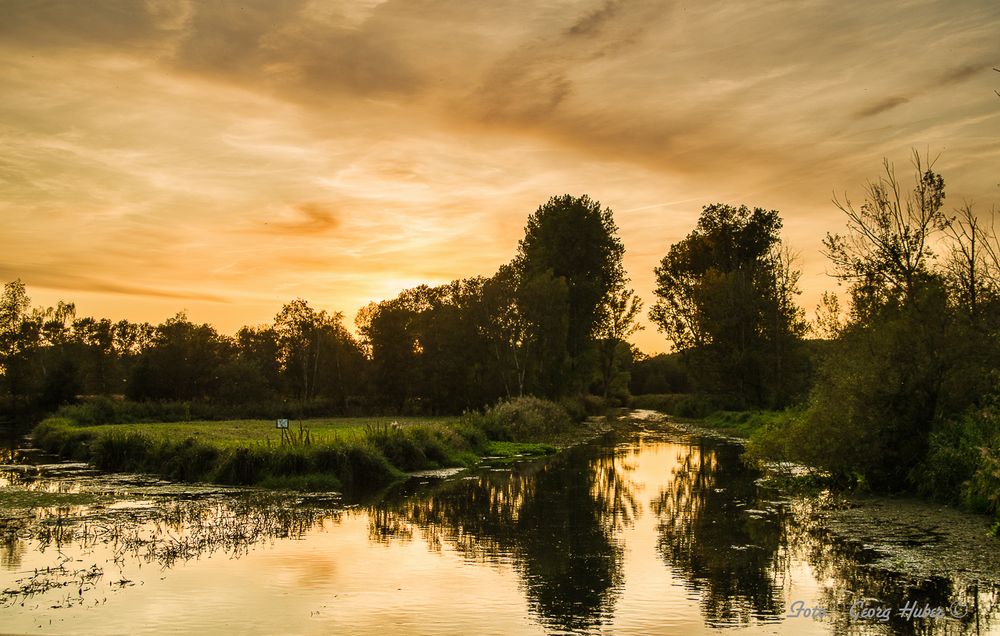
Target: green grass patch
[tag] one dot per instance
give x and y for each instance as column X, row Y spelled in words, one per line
column 236, row 433
column 350, row 454
column 518, row 449
column 353, row 454
column 743, row 423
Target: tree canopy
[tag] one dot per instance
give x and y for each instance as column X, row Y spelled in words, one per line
column 725, row 297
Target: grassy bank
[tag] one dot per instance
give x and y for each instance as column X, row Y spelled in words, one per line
column 317, row 454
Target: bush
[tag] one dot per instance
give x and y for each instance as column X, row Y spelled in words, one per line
column 56, row 435
column 525, row 419
column 574, row 407
column 963, row 461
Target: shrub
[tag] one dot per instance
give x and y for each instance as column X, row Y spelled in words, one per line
column 121, row 451
column 596, row 405
column 56, row 435
column 574, row 407
column 525, row 419
column 396, row 445
column 963, row 461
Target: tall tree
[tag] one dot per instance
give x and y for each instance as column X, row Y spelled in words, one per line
column 907, row 357
column 725, row 297
column 312, row 344
column 576, row 240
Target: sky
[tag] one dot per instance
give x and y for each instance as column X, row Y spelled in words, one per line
column 224, row 158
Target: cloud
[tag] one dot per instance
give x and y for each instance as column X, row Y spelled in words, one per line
column 592, row 23
column 881, row 106
column 947, row 78
column 63, row 281
column 308, row 219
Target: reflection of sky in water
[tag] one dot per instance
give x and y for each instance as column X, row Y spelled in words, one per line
column 659, row 534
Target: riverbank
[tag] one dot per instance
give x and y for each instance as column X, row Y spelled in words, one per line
column 352, row 454
column 901, row 536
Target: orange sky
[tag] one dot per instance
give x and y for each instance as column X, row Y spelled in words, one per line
column 227, row 157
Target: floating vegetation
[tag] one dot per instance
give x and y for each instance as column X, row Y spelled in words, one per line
column 42, row 581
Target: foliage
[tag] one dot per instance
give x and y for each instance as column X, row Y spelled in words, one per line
column 900, row 390
column 662, row 373
column 725, row 299
column 616, row 322
column 525, row 419
column 568, row 241
column 963, row 461
column 887, row 249
column 746, row 423
column 877, row 395
column 180, row 363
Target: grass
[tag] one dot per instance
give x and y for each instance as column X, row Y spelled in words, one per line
column 236, row 433
column 518, row 449
column 344, row 453
column 743, row 423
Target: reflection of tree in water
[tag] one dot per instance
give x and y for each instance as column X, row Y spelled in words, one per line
column 555, row 521
column 847, row 577
column 713, row 534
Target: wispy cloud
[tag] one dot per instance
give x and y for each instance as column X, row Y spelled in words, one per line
column 216, row 151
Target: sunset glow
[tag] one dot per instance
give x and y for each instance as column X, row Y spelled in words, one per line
column 224, row 158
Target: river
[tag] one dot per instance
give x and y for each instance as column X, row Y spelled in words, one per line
column 650, row 529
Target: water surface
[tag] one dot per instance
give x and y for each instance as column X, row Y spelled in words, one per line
column 648, row 530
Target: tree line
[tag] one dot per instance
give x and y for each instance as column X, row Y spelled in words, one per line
column 553, row 322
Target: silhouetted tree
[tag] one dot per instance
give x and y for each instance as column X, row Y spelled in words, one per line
column 725, row 298
column 181, row 362
column 574, row 240
column 886, row 252
column 912, row 354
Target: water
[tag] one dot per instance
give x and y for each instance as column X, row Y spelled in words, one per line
column 650, row 530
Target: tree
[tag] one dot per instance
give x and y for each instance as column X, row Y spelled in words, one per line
column 725, row 299
column 972, row 268
column 616, row 322
column 544, row 302
column 905, row 360
column 19, row 337
column 387, row 334
column 505, row 329
column 181, row 363
column 575, row 240
column 94, row 340
column 35, row 355
column 312, row 347
column 886, row 251
column 260, row 348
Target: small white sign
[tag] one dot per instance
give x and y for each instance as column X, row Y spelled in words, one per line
column 282, row 423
